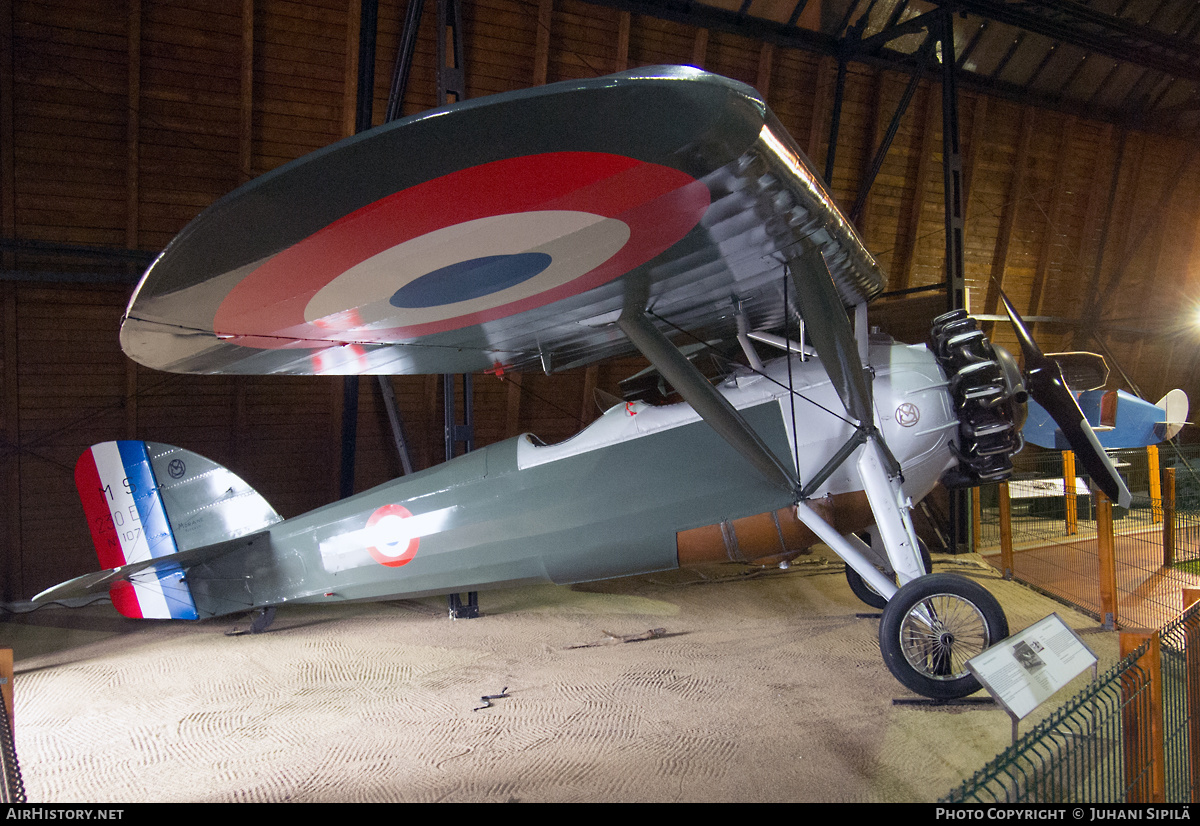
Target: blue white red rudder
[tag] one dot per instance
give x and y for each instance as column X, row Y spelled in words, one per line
column 147, row 501
column 129, row 524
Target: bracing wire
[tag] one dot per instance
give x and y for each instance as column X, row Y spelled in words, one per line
column 791, row 388
column 760, row 373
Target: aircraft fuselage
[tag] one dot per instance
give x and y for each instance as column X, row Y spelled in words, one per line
column 611, row 501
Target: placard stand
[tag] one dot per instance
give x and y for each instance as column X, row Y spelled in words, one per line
column 1028, row 668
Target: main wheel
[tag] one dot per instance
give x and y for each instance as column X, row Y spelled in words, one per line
column 863, row 590
column 932, row 626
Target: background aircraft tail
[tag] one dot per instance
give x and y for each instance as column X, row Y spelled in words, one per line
column 1175, row 406
column 146, row 501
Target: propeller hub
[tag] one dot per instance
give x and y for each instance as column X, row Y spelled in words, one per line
column 1018, row 394
column 990, row 396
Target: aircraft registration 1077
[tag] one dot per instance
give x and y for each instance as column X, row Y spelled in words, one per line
column 545, row 229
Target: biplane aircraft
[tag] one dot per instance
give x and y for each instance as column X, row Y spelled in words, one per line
column 549, row 228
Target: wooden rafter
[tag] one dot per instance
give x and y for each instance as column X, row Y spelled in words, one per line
column 1008, row 215
column 1059, row 200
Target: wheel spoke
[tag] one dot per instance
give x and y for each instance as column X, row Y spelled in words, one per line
column 940, row 634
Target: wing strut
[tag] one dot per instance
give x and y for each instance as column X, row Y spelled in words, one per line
column 698, row 392
column 829, row 328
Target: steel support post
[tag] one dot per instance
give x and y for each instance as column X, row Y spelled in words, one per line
column 835, row 119
column 393, row 411
column 455, row 432
column 362, row 121
column 922, row 55
column 404, row 56
column 452, row 79
column 956, row 281
column 952, row 171
column 349, row 434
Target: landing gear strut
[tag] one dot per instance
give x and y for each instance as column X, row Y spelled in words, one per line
column 863, row 590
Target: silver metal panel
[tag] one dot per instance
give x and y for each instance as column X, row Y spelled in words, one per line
column 205, row 502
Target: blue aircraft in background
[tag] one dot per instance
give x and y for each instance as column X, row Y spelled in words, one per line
column 1119, row 419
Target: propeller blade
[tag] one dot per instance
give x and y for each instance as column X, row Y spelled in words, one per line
column 1044, row 381
column 1029, row 347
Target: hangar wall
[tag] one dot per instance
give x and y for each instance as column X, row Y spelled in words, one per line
column 119, row 122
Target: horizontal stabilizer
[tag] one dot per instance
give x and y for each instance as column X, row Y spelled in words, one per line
column 81, row 586
column 100, row 581
column 147, row 504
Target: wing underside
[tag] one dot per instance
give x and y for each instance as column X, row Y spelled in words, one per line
column 501, row 230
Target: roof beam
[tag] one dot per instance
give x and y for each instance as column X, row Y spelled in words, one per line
column 877, row 54
column 711, row 17
column 1094, row 31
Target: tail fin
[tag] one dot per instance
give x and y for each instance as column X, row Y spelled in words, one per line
column 1175, row 405
column 145, row 501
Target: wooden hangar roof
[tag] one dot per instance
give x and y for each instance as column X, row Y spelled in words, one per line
column 161, row 108
column 1134, row 62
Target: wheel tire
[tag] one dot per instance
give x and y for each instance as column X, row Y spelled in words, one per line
column 869, row 595
column 929, row 656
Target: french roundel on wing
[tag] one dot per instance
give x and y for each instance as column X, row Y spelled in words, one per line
column 472, row 246
column 392, row 541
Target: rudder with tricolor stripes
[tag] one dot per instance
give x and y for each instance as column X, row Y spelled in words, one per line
column 129, row 523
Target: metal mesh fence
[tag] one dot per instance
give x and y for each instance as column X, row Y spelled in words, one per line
column 1092, row 749
column 1181, row 705
column 12, row 790
column 1099, row 747
column 1054, row 534
column 1076, row 755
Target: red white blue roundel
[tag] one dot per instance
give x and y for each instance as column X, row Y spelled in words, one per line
column 473, row 246
column 392, row 541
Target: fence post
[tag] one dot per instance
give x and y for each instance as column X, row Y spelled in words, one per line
column 1070, row 505
column 1155, row 491
column 1145, row 766
column 976, row 520
column 12, row 790
column 1006, row 546
column 6, row 684
column 1168, row 517
column 1106, row 545
column 1191, row 658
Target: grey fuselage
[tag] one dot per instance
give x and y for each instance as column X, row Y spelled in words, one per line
column 608, row 502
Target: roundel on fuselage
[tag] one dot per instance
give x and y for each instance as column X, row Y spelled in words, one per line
column 392, row 541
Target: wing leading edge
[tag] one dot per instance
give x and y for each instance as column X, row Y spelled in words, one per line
column 500, row 230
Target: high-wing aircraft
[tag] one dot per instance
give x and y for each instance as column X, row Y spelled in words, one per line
column 1121, row 420
column 549, row 228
